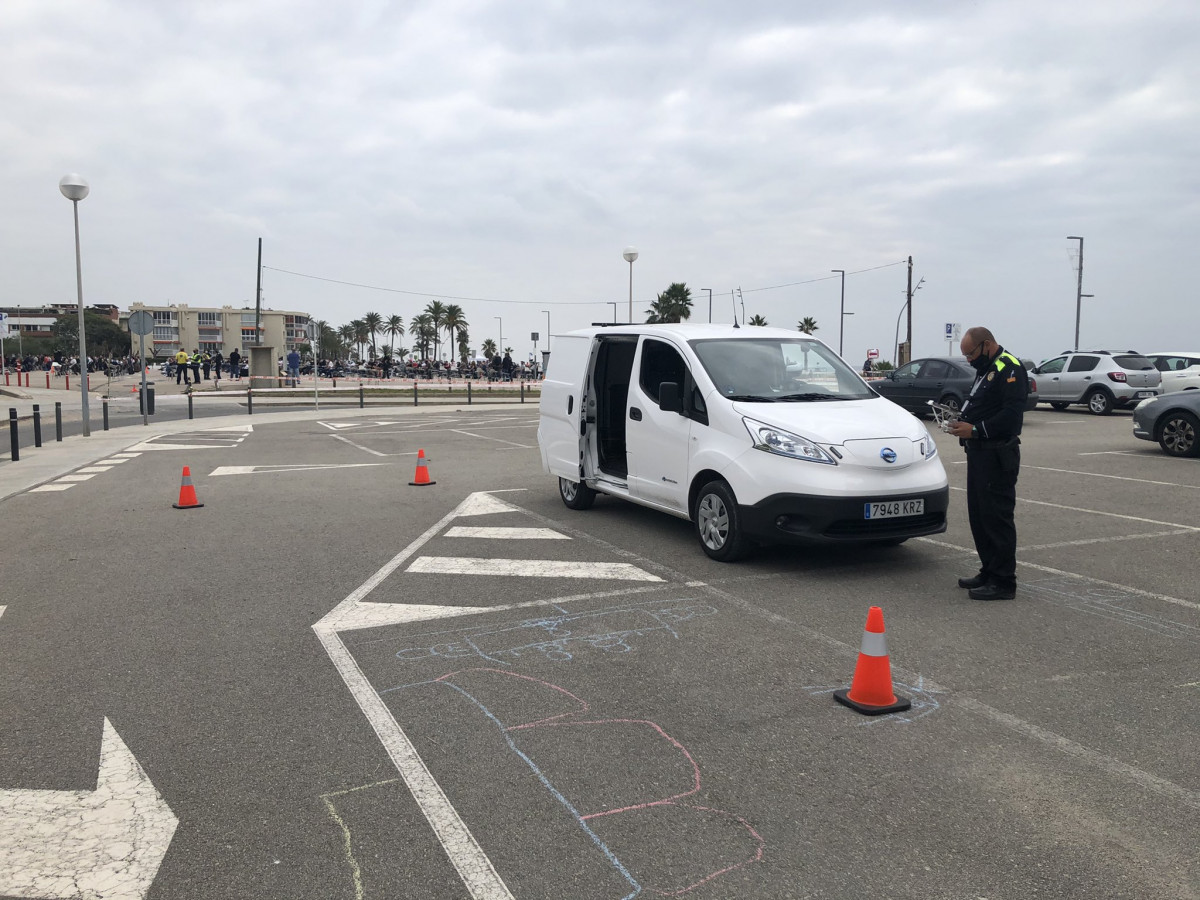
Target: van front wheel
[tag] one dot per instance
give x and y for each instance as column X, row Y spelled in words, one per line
column 576, row 495
column 717, row 523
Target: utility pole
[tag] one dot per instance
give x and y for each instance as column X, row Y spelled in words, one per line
column 908, row 339
column 1078, row 287
column 709, row 304
column 258, row 300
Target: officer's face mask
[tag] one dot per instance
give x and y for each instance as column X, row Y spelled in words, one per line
column 981, row 362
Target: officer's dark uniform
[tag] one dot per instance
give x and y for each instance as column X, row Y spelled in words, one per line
column 996, row 409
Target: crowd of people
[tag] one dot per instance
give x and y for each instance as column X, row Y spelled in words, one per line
column 63, row 364
column 499, row 368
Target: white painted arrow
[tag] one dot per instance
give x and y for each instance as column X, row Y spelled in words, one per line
column 107, row 843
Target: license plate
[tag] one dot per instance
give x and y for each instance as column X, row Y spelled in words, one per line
column 1142, row 394
column 893, row 509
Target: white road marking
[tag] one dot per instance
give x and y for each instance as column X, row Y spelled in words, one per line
column 1111, row 453
column 1112, row 584
column 67, row 478
column 483, row 437
column 151, row 445
column 1192, row 487
column 94, row 469
column 103, row 843
column 2, row 609
column 245, row 429
column 347, row 440
column 528, row 568
column 1104, row 540
column 507, row 534
column 478, row 874
column 46, row 488
column 126, row 455
column 115, row 460
column 263, row 470
column 481, row 504
column 1100, row 512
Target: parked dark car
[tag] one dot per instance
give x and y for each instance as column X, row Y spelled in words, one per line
column 942, row 379
column 1173, row 420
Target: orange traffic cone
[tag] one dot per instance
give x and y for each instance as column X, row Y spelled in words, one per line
column 187, row 493
column 871, row 691
column 422, row 477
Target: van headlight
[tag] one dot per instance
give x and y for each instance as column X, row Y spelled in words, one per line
column 784, row 443
column 928, row 447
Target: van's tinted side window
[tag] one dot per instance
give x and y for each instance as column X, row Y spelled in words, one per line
column 660, row 362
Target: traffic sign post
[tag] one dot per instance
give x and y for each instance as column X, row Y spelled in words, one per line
column 141, row 323
column 3, row 335
column 314, row 342
column 953, row 333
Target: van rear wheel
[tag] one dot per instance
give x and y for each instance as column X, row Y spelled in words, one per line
column 576, row 495
column 718, row 525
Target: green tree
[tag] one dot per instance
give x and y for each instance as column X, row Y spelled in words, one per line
column 488, row 349
column 808, row 325
column 104, row 336
column 374, row 325
column 454, row 321
column 464, row 345
column 393, row 328
column 346, row 334
column 757, row 320
column 421, row 328
column 361, row 335
column 672, row 305
column 436, row 310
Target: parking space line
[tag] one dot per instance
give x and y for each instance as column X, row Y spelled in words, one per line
column 1103, row 540
column 506, row 534
column 344, row 439
column 528, row 568
column 46, row 488
column 1150, row 595
column 1099, row 512
column 1192, row 487
column 486, row 438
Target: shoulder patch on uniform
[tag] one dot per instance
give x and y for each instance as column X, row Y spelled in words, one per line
column 991, row 375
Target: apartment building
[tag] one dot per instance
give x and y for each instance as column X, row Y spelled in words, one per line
column 210, row 329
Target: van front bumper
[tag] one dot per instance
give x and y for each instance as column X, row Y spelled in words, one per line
column 803, row 518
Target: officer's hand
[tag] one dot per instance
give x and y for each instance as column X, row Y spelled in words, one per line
column 961, row 429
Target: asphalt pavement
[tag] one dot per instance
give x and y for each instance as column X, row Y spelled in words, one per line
column 328, row 682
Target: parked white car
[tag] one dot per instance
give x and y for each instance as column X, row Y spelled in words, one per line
column 1180, row 371
column 751, row 433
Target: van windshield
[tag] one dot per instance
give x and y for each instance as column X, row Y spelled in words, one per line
column 778, row 370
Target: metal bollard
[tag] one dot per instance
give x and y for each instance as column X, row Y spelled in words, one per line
column 58, row 421
column 37, row 425
column 360, row 395
column 104, row 403
column 414, row 392
column 191, row 412
column 12, row 434
column 249, row 401
column 468, row 393
column 522, row 392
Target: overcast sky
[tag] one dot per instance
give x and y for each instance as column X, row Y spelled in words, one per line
column 502, row 155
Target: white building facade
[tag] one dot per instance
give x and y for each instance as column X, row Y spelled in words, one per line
column 209, row 329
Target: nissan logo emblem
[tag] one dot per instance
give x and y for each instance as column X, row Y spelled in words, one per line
column 888, row 455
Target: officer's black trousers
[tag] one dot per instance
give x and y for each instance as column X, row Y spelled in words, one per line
column 992, row 469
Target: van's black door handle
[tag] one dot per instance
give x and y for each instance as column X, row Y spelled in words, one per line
column 635, row 414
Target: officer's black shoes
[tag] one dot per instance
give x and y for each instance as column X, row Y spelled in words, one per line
column 973, row 582
column 992, row 592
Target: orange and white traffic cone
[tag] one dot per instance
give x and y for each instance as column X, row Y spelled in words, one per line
column 871, row 691
column 421, row 479
column 187, row 493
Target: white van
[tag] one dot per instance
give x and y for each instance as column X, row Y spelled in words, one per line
column 751, row 433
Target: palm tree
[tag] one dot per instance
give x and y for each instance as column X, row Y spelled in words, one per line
column 672, row 305
column 346, row 334
column 360, row 335
column 437, row 318
column 374, row 323
column 420, row 327
column 808, row 325
column 488, row 349
column 464, row 345
column 454, row 321
column 757, row 320
column 393, row 328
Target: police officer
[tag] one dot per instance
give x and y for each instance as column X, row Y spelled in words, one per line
column 988, row 428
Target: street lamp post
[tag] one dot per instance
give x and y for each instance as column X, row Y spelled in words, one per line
column 75, row 188
column 501, row 321
column 613, row 304
column 547, row 312
column 709, row 304
column 630, row 255
column 1078, row 287
column 842, row 317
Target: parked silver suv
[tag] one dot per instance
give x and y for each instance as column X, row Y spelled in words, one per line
column 1102, row 379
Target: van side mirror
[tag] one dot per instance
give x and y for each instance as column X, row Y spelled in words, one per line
column 669, row 399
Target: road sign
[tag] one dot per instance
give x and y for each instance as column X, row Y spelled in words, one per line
column 872, row 354
column 534, row 337
column 3, row 325
column 312, row 331
column 141, row 322
column 953, row 331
